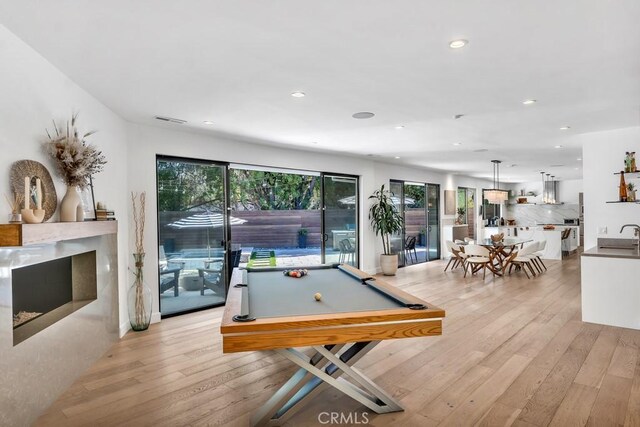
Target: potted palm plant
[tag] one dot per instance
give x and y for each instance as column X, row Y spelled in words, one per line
column 385, row 220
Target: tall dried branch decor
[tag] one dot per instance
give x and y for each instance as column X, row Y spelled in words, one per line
column 138, row 256
column 76, row 160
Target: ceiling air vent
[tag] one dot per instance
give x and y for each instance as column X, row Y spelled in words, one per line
column 171, row 119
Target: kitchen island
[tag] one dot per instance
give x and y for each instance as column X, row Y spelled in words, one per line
column 610, row 291
column 553, row 237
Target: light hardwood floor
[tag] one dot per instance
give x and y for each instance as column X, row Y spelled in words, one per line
column 513, row 352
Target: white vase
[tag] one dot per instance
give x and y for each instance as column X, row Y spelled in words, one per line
column 71, row 206
column 389, row 264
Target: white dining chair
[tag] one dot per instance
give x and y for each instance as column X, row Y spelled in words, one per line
column 457, row 255
column 478, row 257
column 542, row 244
column 524, row 260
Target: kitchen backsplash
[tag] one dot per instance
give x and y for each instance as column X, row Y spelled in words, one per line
column 541, row 214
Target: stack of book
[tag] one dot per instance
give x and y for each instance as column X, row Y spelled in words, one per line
column 105, row 215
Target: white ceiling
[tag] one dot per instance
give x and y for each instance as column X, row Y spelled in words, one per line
column 236, row 62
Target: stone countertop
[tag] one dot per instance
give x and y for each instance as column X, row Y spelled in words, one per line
column 612, row 253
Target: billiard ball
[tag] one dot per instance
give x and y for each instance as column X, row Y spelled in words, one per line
column 318, row 296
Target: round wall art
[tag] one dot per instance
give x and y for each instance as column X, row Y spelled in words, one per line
column 35, row 170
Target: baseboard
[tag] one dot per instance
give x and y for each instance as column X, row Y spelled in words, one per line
column 155, row 317
column 126, row 326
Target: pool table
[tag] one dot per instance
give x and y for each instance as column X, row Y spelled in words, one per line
column 267, row 310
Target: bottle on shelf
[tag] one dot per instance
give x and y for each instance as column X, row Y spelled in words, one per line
column 622, row 193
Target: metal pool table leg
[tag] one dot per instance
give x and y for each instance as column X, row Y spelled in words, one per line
column 316, row 373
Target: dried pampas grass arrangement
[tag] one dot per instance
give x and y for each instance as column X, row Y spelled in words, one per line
column 76, row 160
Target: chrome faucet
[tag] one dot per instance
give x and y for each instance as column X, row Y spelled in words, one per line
column 636, row 229
column 636, row 232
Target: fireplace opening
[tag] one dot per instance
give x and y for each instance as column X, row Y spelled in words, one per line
column 46, row 292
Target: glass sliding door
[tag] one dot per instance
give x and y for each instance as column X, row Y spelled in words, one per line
column 419, row 204
column 415, row 223
column 397, row 240
column 281, row 210
column 433, row 222
column 340, row 219
column 192, row 234
column 466, row 201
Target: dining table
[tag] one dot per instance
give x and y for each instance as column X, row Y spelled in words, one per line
column 501, row 252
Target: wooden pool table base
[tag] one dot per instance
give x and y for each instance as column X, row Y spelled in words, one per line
column 319, row 371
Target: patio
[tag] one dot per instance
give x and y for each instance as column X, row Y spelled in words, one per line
column 193, row 260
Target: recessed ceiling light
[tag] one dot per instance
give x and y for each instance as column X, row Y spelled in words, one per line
column 576, row 168
column 298, row 94
column 208, row 122
column 529, row 101
column 399, row 127
column 363, row 115
column 579, row 159
column 396, row 157
column 314, row 142
column 457, row 44
column 557, row 146
column 565, row 128
column 457, row 143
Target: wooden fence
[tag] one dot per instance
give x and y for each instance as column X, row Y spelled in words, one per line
column 262, row 229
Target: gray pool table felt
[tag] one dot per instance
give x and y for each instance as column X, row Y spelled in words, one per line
column 271, row 294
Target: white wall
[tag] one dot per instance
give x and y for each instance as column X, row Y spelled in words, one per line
column 33, row 93
column 147, row 141
column 569, row 190
column 602, row 155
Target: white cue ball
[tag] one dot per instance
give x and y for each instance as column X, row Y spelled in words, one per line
column 318, row 296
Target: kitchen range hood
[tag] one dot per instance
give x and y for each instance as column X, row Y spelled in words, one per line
column 550, row 193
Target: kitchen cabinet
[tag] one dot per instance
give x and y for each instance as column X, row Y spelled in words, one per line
column 610, row 294
column 455, row 232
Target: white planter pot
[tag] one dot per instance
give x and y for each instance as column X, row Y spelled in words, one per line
column 389, row 264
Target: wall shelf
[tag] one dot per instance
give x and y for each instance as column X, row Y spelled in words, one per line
column 51, row 232
column 628, row 173
column 633, row 203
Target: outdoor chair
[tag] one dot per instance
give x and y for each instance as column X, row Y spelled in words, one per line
column 170, row 278
column 212, row 279
column 410, row 247
column 168, row 272
column 347, row 252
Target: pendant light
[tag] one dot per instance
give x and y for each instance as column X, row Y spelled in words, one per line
column 544, row 189
column 495, row 195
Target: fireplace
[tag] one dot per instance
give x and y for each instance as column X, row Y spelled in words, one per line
column 47, row 292
column 41, row 358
